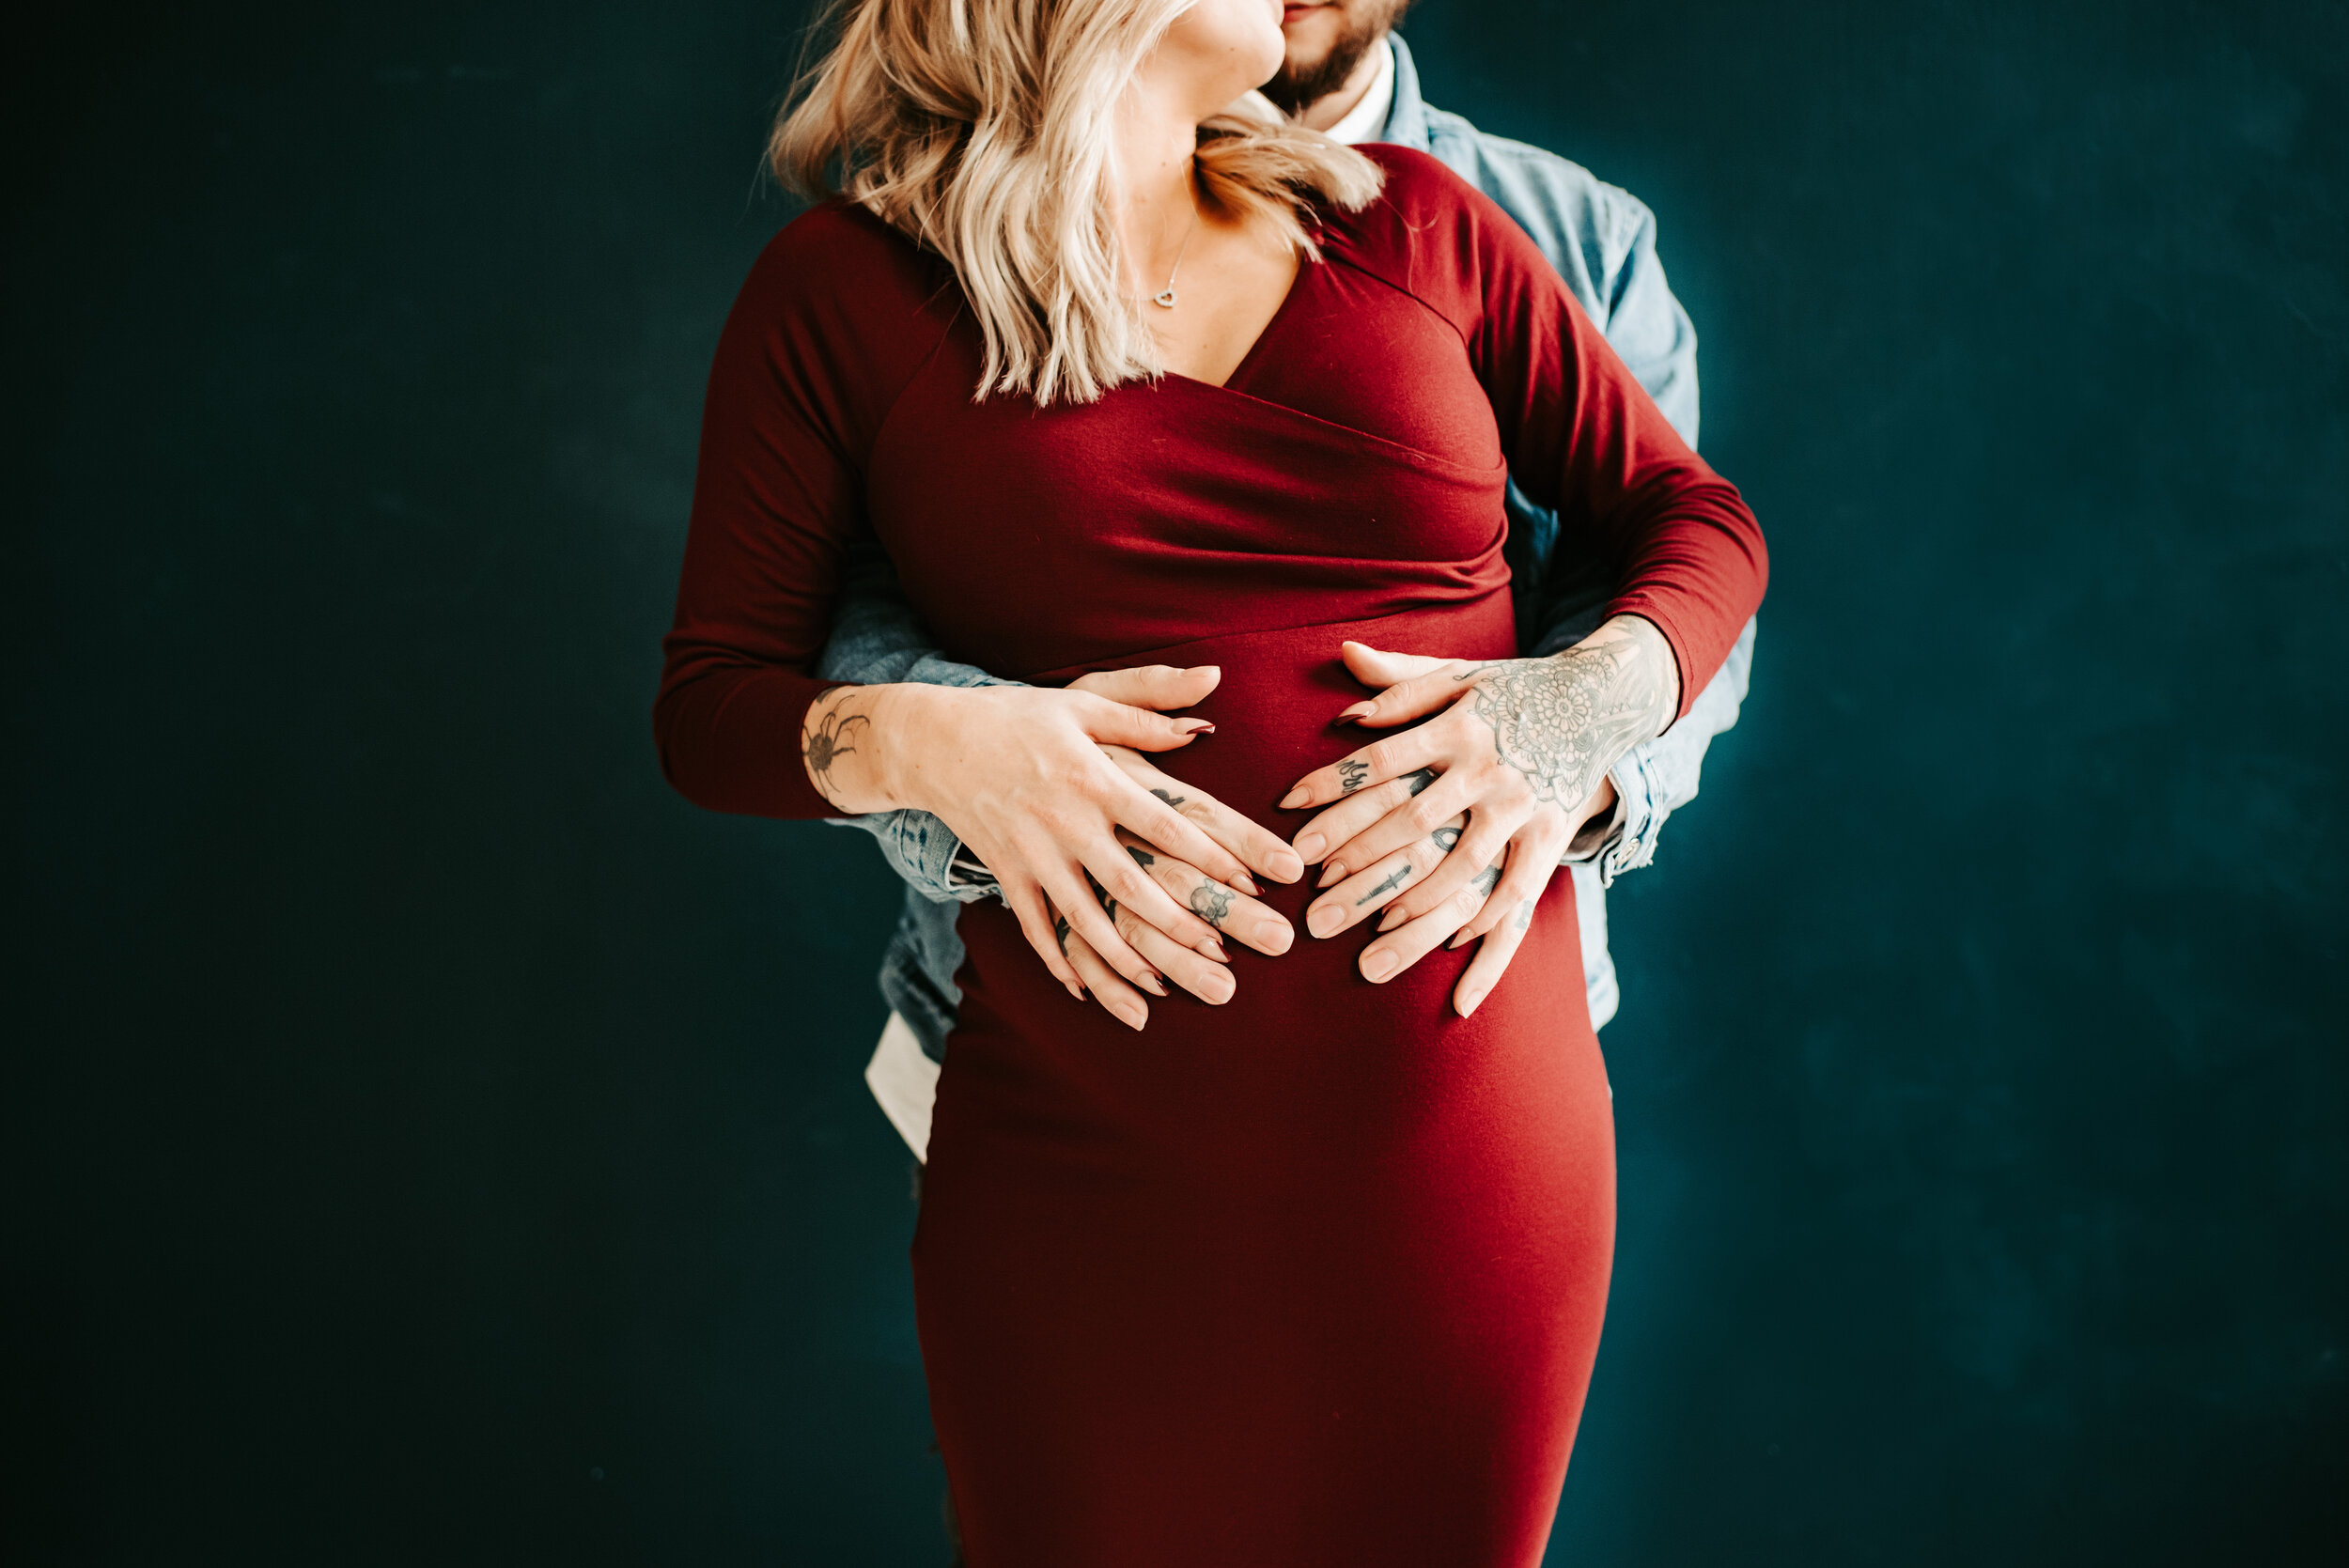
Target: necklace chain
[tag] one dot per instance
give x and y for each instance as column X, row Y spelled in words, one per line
column 1164, row 298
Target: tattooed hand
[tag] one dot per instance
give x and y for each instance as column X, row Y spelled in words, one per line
column 1232, row 912
column 1451, row 829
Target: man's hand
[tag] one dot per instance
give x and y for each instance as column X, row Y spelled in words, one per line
column 1452, row 828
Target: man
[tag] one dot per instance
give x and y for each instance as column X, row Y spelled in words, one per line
column 1346, row 74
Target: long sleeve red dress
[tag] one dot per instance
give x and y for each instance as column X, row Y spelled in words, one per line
column 1315, row 1277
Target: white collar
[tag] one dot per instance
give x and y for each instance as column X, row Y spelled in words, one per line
column 1367, row 119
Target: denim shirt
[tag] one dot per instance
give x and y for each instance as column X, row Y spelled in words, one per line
column 1602, row 240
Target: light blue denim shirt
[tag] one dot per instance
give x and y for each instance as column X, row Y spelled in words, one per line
column 1602, row 240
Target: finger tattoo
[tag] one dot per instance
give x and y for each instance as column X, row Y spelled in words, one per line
column 1525, row 914
column 1170, row 799
column 1445, row 838
column 1211, row 901
column 1420, row 780
column 1142, row 856
column 1401, row 875
column 1486, row 879
column 1352, row 776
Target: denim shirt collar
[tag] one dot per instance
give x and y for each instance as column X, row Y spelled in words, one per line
column 1406, row 121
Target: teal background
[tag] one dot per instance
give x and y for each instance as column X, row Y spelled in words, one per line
column 423, row 1137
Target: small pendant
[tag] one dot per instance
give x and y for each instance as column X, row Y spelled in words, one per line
column 1163, row 299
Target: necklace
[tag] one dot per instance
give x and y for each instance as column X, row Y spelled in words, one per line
column 1164, row 298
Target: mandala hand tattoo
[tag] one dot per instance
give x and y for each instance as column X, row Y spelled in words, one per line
column 1212, row 903
column 1563, row 721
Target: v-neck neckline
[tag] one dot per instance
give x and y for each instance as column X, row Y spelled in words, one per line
column 1264, row 334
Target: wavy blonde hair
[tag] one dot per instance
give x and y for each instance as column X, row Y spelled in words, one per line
column 984, row 128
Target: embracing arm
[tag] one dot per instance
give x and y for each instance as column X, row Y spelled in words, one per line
column 1650, row 333
column 1515, row 754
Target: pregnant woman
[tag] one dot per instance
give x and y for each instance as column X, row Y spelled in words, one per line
column 1124, row 379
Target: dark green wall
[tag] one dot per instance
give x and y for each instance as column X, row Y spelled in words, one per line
column 425, row 1139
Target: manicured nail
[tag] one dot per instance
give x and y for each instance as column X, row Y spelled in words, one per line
column 1323, row 919
column 1130, row 1013
column 1274, row 936
column 1213, row 948
column 1246, row 884
column 1294, row 798
column 1471, row 1003
column 1151, row 983
column 1215, row 990
column 1391, row 919
column 1282, row 865
column 1360, row 710
column 1308, row 849
column 1379, row 963
column 1205, row 670
column 1197, row 726
column 1331, row 873
column 1460, row 941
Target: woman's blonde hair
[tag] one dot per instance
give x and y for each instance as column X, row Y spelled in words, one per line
column 982, row 128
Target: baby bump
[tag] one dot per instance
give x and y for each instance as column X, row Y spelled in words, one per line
column 1308, row 1062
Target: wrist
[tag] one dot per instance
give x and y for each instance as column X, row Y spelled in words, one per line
column 906, row 717
column 848, row 742
column 1653, row 669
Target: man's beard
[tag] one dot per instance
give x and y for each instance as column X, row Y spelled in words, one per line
column 1296, row 91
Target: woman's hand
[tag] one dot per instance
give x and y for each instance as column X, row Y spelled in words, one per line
column 1453, row 827
column 1227, row 908
column 1020, row 775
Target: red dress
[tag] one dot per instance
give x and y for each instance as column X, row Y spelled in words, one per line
column 1316, row 1277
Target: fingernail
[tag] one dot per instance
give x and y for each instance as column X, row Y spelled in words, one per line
column 1377, row 964
column 1322, row 919
column 1215, row 990
column 1391, row 919
column 1246, row 884
column 1214, row 949
column 1197, row 726
column 1308, row 849
column 1360, row 710
column 1456, row 941
column 1153, row 984
column 1294, row 798
column 1130, row 1013
column 1282, row 865
column 1471, row 1003
column 1274, row 936
column 1331, row 873
column 1205, row 670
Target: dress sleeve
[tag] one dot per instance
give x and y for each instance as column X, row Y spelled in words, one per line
column 829, row 327
column 1583, row 438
